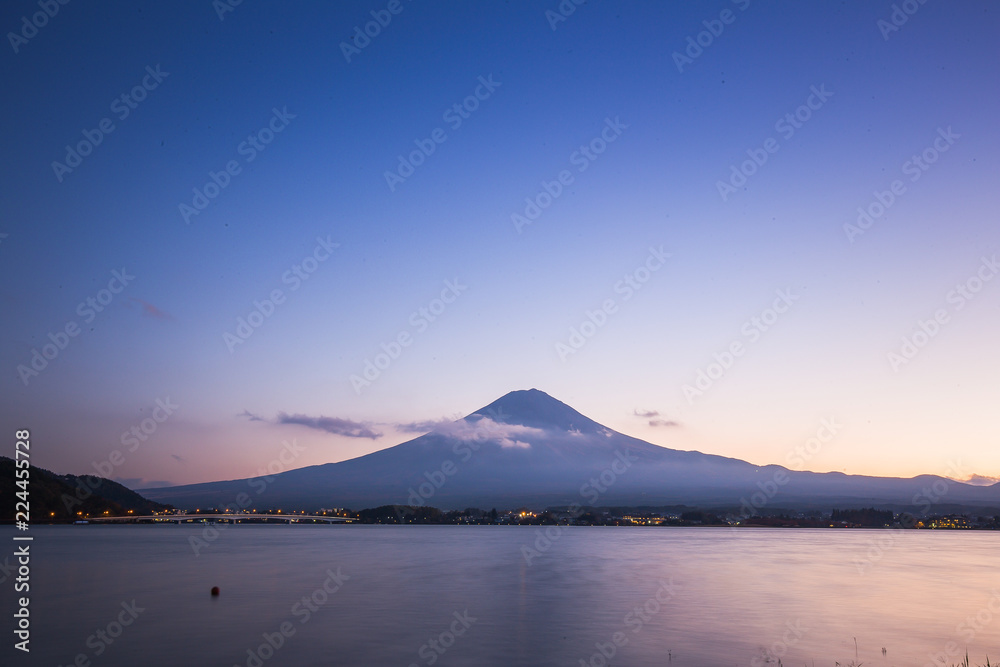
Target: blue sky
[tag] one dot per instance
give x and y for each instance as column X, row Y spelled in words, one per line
column 516, row 291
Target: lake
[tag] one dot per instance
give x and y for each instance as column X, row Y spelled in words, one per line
column 506, row 595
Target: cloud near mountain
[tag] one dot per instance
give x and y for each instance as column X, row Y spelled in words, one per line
column 654, row 418
column 251, row 416
column 425, row 426
column 980, row 480
column 485, row 429
column 335, row 425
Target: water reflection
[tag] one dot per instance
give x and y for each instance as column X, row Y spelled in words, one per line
column 734, row 597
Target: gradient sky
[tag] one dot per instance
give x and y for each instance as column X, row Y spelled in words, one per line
column 655, row 185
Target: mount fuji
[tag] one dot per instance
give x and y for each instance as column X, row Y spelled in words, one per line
column 529, row 449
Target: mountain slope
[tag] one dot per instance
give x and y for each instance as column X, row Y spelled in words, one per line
column 57, row 498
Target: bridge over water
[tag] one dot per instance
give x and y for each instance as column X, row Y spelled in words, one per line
column 228, row 517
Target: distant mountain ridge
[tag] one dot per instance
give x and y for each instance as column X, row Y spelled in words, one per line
column 527, row 448
column 57, row 498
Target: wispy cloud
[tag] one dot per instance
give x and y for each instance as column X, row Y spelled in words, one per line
column 335, row 425
column 150, row 310
column 652, row 416
column 420, row 426
column 251, row 416
column 980, row 480
column 485, row 429
column 178, row 458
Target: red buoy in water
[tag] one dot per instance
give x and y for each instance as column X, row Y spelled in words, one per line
column 215, row 591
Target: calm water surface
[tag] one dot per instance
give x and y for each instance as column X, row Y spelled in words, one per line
column 705, row 597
